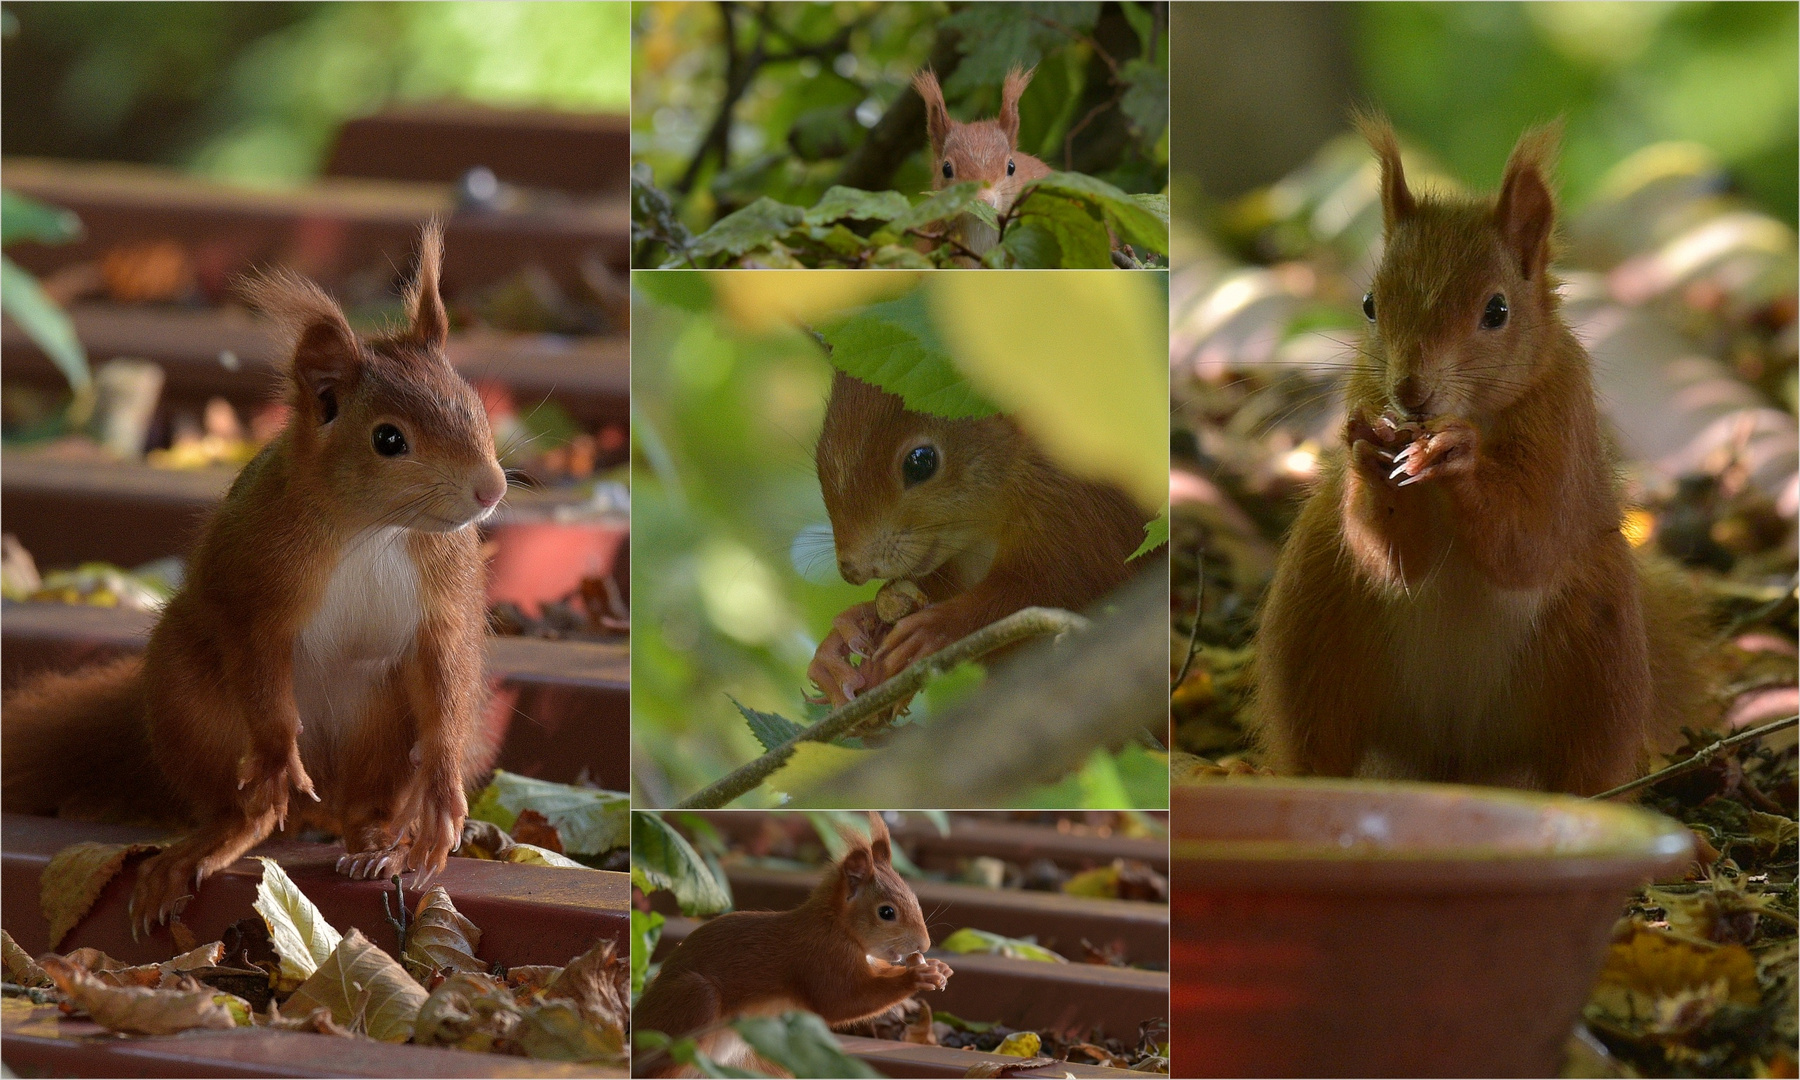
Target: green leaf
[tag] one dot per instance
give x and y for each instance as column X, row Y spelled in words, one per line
column 297, row 929
column 770, row 729
column 661, row 858
column 900, row 257
column 968, row 940
column 1156, row 534
column 1146, row 103
column 43, row 321
column 1134, row 222
column 852, row 204
column 755, row 226
column 688, row 290
column 800, row 1043
column 1142, row 22
column 1028, row 245
column 589, row 821
column 894, row 345
column 1076, row 224
column 957, row 684
column 942, row 205
column 646, row 931
column 23, row 218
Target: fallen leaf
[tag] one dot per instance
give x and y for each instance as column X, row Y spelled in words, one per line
column 441, row 938
column 1008, row 1068
column 142, row 1010
column 75, row 878
column 969, row 940
column 1649, row 966
column 557, row 1031
column 532, row 855
column 470, row 1012
column 365, row 989
column 534, row 828
column 484, row 840
column 588, row 821
column 598, row 984
column 21, row 969
column 1020, row 1044
column 319, row 1021
column 1102, row 881
column 526, row 978
column 302, row 938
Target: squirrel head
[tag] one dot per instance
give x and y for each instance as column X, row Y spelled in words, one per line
column 1463, row 304
column 385, row 424
column 908, row 491
column 984, row 150
column 875, row 901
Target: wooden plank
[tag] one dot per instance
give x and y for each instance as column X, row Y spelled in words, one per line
column 584, row 153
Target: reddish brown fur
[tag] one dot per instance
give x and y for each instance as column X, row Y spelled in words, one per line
column 979, row 150
column 1487, row 621
column 215, row 703
column 998, row 528
column 815, row 957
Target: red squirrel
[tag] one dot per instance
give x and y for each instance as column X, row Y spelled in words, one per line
column 328, row 640
column 853, row 950
column 971, row 511
column 1456, row 601
column 984, row 150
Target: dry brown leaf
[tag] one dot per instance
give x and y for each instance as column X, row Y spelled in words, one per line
column 365, row 989
column 484, row 840
column 535, row 829
column 558, row 1031
column 441, row 938
column 529, row 978
column 1008, row 1068
column 93, row 960
column 470, row 1012
column 142, row 1010
column 1650, row 973
column 75, row 878
column 21, row 969
column 318, row 1021
column 598, row 983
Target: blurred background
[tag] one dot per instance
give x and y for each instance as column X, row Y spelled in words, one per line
column 157, row 153
column 735, row 580
column 736, row 101
column 1678, row 200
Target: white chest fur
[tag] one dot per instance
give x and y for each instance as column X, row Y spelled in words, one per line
column 1457, row 646
column 365, row 621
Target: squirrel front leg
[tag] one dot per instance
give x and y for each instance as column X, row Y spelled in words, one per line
column 879, row 986
column 443, row 684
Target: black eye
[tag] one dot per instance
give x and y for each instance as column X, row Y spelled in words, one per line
column 1009, row 167
column 921, row 464
column 388, row 441
column 1494, row 316
column 1369, row 306
column 948, row 171
column 887, row 912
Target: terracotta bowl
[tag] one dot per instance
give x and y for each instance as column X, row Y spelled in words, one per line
column 1337, row 928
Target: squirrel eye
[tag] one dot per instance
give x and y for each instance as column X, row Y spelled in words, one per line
column 1009, row 167
column 1494, row 317
column 948, row 171
column 389, row 442
column 921, row 464
column 1369, row 306
column 886, row 911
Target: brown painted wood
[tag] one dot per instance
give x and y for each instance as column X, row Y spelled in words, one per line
column 910, row 1059
column 585, row 153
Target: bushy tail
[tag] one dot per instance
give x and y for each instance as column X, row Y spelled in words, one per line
column 1683, row 669
column 78, row 745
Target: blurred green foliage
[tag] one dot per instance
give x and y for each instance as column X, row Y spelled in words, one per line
column 1461, row 80
column 807, row 83
column 255, row 92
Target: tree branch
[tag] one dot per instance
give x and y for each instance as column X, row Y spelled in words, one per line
column 901, row 129
column 1701, row 757
column 1027, row 623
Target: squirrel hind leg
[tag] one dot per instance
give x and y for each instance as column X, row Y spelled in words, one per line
column 676, row 1003
column 168, row 880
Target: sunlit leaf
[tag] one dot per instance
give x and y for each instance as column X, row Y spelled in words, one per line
column 590, row 821
column 74, row 879
column 800, row 1043
column 661, row 858
column 43, row 321
column 363, row 986
column 894, row 345
column 297, row 929
column 770, row 729
column 441, row 938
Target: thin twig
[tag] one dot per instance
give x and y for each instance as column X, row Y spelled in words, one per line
column 1026, row 623
column 1199, row 598
column 1701, row 757
column 399, row 924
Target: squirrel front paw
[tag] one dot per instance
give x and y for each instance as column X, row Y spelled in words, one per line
column 266, row 779
column 1442, row 448
column 856, row 631
column 437, row 831
column 929, row 974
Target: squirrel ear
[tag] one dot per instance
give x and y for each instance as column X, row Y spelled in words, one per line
column 1396, row 200
column 879, row 845
column 424, row 305
column 1010, row 92
column 858, row 866
column 1525, row 211
column 937, row 115
column 326, row 355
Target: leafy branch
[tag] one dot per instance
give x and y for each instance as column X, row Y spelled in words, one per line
column 1020, row 625
column 1701, row 757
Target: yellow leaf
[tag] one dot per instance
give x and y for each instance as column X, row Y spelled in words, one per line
column 1020, row 1044
column 1102, row 881
column 20, row 967
column 74, row 880
column 772, row 299
column 532, row 855
column 297, row 929
column 1079, row 359
column 1651, row 966
column 363, row 987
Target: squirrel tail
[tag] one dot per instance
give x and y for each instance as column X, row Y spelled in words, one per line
column 78, row 745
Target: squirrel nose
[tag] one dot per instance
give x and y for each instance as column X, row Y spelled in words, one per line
column 852, row 573
column 490, row 488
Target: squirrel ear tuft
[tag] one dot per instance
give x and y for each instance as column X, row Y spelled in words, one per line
column 937, row 114
column 879, row 844
column 1526, row 211
column 325, row 352
column 424, row 304
column 1397, row 202
column 1010, row 92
